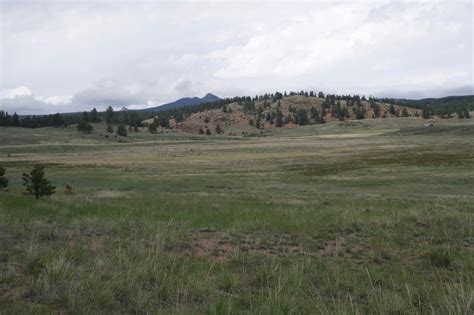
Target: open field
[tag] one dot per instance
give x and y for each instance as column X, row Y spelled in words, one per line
column 376, row 216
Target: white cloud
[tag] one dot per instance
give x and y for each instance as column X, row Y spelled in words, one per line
column 20, row 91
column 80, row 54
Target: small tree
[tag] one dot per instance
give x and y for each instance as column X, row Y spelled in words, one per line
column 218, row 129
column 36, row 184
column 109, row 129
column 425, row 114
column 392, row 109
column 94, row 116
column 3, row 179
column 201, row 132
column 208, row 132
column 121, row 130
column 404, row 112
column 467, row 115
column 279, row 118
column 152, row 128
column 109, row 115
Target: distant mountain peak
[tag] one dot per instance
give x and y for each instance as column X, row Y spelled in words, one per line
column 185, row 101
column 210, row 95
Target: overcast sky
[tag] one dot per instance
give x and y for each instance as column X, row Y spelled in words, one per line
column 74, row 55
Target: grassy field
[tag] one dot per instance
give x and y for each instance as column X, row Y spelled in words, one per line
column 368, row 217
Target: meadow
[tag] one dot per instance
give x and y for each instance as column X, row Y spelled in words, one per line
column 374, row 216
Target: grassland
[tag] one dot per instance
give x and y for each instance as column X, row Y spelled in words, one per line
column 370, row 217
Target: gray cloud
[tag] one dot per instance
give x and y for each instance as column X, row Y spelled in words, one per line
column 77, row 55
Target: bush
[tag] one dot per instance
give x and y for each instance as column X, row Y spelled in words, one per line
column 121, row 131
column 84, row 127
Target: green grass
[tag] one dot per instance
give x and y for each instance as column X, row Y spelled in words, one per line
column 366, row 218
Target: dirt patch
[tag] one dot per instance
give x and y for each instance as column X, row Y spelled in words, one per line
column 110, row 194
column 220, row 246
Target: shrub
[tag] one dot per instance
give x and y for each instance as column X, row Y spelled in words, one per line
column 121, row 131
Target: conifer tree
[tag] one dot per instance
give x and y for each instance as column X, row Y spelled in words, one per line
column 3, row 179
column 152, row 128
column 279, row 118
column 36, row 184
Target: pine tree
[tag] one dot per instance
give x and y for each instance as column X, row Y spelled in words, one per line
column 152, row 128
column 467, row 115
column 404, row 112
column 218, row 129
column 109, row 115
column 208, row 132
column 425, row 114
column 3, row 179
column 15, row 120
column 94, row 116
column 392, row 109
column 279, row 118
column 109, row 129
column 36, row 184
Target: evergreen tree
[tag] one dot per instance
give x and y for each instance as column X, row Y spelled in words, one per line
column 392, row 109
column 109, row 129
column 404, row 112
column 121, row 130
column 3, row 179
column 302, row 117
column 425, row 114
column 208, row 132
column 279, row 118
column 257, row 121
column 467, row 115
column 15, row 120
column 201, row 132
column 94, row 116
column 36, row 184
column 109, row 115
column 218, row 129
column 85, row 117
column 152, row 128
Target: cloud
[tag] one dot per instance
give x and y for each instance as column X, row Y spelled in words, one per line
column 79, row 55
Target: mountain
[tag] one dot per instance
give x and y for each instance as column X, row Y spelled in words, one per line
column 185, row 101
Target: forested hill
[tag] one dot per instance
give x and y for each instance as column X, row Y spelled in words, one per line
column 441, row 106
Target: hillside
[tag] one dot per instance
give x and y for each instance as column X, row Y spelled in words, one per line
column 237, row 117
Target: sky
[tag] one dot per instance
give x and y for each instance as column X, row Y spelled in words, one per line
column 66, row 56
